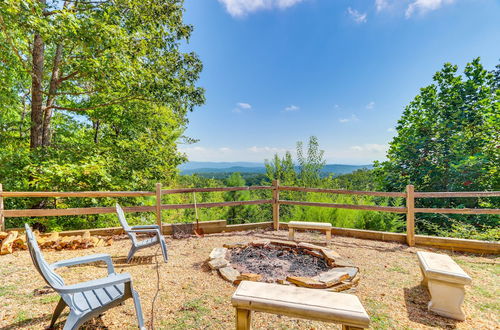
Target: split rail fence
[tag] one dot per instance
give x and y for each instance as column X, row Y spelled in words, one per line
column 409, row 195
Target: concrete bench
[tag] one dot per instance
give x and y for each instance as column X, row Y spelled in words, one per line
column 312, row 304
column 322, row 226
column 445, row 280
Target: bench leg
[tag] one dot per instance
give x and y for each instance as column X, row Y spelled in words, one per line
column 348, row 327
column 291, row 234
column 243, row 319
column 328, row 235
column 446, row 299
column 424, row 278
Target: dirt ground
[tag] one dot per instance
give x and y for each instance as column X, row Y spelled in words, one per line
column 191, row 296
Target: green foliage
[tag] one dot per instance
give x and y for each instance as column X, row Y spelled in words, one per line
column 310, row 164
column 115, row 105
column 447, row 140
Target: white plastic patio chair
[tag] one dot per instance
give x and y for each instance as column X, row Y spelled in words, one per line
column 136, row 244
column 85, row 300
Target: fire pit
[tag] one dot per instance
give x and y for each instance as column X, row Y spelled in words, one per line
column 284, row 262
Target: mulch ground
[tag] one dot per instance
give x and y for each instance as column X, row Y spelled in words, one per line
column 191, row 296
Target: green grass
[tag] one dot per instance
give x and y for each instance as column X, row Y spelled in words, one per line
column 398, row 269
column 379, row 318
column 5, row 290
column 49, row 299
column 21, row 316
column 191, row 316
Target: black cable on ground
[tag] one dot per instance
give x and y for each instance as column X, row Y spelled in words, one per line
column 152, row 324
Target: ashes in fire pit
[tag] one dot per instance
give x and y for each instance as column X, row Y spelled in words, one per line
column 284, row 262
column 275, row 262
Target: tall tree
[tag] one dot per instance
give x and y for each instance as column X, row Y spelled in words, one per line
column 96, row 57
column 310, row 162
column 448, row 138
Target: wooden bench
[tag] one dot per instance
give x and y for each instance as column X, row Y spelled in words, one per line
column 323, row 226
column 445, row 280
column 312, row 304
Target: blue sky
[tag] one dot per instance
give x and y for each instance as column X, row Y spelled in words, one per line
column 279, row 71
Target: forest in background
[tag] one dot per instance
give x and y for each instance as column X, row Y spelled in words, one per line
column 95, row 96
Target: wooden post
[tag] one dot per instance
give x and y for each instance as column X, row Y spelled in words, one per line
column 410, row 215
column 2, row 219
column 276, row 205
column 158, row 206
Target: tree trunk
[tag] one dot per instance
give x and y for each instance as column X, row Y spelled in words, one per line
column 54, row 85
column 37, row 109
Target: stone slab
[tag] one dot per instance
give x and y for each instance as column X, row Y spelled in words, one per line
column 306, row 282
column 309, row 225
column 218, row 253
column 229, row 273
column 332, row 277
column 310, row 246
column 217, row 263
column 305, row 303
column 352, row 271
column 284, row 243
column 442, row 267
column 235, row 245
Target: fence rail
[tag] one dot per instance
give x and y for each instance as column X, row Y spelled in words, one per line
column 409, row 195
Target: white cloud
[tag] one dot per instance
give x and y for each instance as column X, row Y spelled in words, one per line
column 371, row 147
column 242, row 106
column 239, row 8
column 381, row 5
column 225, row 149
column 267, row 149
column 370, row 105
column 423, row 6
column 349, row 119
column 292, row 108
column 357, row 16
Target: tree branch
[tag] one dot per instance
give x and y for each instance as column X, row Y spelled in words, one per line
column 117, row 101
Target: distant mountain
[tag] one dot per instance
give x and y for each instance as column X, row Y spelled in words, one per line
column 249, row 167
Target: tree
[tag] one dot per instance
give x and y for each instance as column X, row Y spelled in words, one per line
column 281, row 169
column 448, row 139
column 99, row 59
column 94, row 96
column 240, row 213
column 310, row 165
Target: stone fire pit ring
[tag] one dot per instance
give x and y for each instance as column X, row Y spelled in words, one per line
column 335, row 273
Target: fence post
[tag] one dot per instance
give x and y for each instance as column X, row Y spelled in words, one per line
column 2, row 219
column 276, row 205
column 410, row 215
column 158, row 206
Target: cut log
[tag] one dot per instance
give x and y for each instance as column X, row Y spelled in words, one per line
column 8, row 242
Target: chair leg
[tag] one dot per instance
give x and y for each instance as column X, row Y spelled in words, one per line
column 164, row 249
column 131, row 253
column 138, row 309
column 59, row 308
column 72, row 322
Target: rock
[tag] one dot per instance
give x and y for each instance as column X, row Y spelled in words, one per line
column 306, row 282
column 352, row 271
column 235, row 245
column 343, row 262
column 310, row 246
column 249, row 277
column 229, row 273
column 283, row 282
column 284, row 243
column 217, row 263
column 218, row 253
column 330, row 256
column 332, row 277
column 260, row 242
column 344, row 285
column 314, row 253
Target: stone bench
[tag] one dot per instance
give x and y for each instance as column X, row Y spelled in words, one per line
column 322, row 226
column 445, row 280
column 312, row 304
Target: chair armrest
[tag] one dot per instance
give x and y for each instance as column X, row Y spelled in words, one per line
column 145, row 231
column 85, row 260
column 97, row 284
column 146, row 227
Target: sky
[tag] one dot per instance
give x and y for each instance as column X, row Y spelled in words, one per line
column 278, row 71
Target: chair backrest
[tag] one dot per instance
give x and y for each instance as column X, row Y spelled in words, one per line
column 51, row 277
column 124, row 223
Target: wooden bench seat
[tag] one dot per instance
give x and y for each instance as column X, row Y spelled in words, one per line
column 322, row 226
column 312, row 304
column 445, row 281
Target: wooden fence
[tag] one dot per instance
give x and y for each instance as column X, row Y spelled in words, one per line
column 409, row 195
